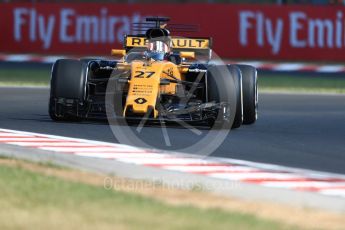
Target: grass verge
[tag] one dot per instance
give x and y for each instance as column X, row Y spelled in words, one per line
column 301, row 83
column 44, row 196
column 31, row 199
column 24, row 77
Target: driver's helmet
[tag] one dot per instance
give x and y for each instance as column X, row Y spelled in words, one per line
column 158, row 50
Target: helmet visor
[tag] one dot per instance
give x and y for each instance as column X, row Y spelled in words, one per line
column 157, row 50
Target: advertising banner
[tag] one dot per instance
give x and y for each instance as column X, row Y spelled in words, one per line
column 270, row 32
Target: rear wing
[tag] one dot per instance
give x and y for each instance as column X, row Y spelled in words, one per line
column 201, row 46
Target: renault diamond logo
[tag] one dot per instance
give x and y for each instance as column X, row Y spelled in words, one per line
column 140, row 101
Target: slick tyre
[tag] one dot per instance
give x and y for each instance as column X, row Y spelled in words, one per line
column 250, row 94
column 221, row 89
column 237, row 78
column 68, row 82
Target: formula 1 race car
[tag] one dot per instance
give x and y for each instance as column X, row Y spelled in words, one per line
column 159, row 78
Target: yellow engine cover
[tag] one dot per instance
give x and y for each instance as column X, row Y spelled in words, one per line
column 144, row 85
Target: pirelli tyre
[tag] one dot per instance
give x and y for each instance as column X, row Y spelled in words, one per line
column 221, row 88
column 250, row 94
column 237, row 77
column 67, row 89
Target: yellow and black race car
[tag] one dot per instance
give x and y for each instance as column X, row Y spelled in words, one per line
column 158, row 78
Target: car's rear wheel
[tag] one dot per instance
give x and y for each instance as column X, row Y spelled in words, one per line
column 250, row 94
column 221, row 89
column 67, row 89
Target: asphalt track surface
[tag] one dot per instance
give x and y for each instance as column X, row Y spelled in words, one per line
column 304, row 131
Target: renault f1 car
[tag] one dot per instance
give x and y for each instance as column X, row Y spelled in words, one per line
column 158, row 77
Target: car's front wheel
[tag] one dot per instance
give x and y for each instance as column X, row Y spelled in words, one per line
column 67, row 89
column 221, row 89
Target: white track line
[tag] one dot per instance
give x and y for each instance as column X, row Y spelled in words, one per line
column 209, row 169
column 163, row 161
column 288, row 67
column 119, row 155
column 251, row 176
column 89, row 149
column 53, row 144
column 333, row 192
column 302, row 184
column 13, row 135
column 330, row 69
column 22, row 139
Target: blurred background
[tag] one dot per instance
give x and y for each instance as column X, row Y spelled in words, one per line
column 276, row 36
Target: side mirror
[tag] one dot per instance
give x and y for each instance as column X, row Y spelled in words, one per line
column 116, row 52
column 190, row 55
